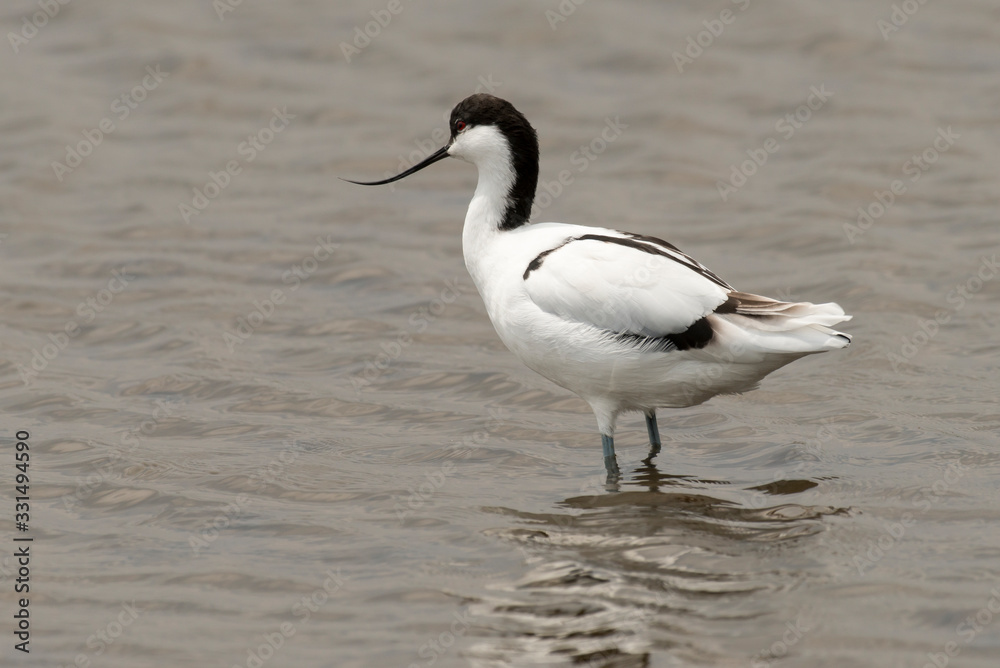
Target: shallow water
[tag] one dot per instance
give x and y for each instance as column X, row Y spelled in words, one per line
column 287, row 420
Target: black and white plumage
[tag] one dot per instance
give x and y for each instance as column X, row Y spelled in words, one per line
column 628, row 322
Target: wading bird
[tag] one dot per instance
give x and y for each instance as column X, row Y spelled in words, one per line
column 626, row 321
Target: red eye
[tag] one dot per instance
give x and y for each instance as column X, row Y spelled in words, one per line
column 459, row 126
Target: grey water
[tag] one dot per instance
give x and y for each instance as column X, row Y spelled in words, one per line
column 271, row 425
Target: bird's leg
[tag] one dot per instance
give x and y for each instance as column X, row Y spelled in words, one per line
column 654, row 435
column 606, row 415
column 610, row 461
column 654, row 431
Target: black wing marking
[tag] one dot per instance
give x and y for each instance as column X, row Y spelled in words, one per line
column 537, row 262
column 698, row 335
column 642, row 243
column 667, row 249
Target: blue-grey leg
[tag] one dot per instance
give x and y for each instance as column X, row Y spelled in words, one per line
column 654, row 431
column 654, row 436
column 610, row 461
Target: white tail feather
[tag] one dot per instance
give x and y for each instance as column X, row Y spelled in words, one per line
column 764, row 325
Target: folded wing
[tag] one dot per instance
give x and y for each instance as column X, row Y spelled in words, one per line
column 626, row 284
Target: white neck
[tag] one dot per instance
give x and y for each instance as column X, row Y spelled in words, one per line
column 482, row 223
column 488, row 150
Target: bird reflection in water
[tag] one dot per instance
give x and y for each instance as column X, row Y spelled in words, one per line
column 662, row 564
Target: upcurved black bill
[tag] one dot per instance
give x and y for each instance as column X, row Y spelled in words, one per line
column 441, row 154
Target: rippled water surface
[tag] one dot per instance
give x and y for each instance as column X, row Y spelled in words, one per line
column 271, row 425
